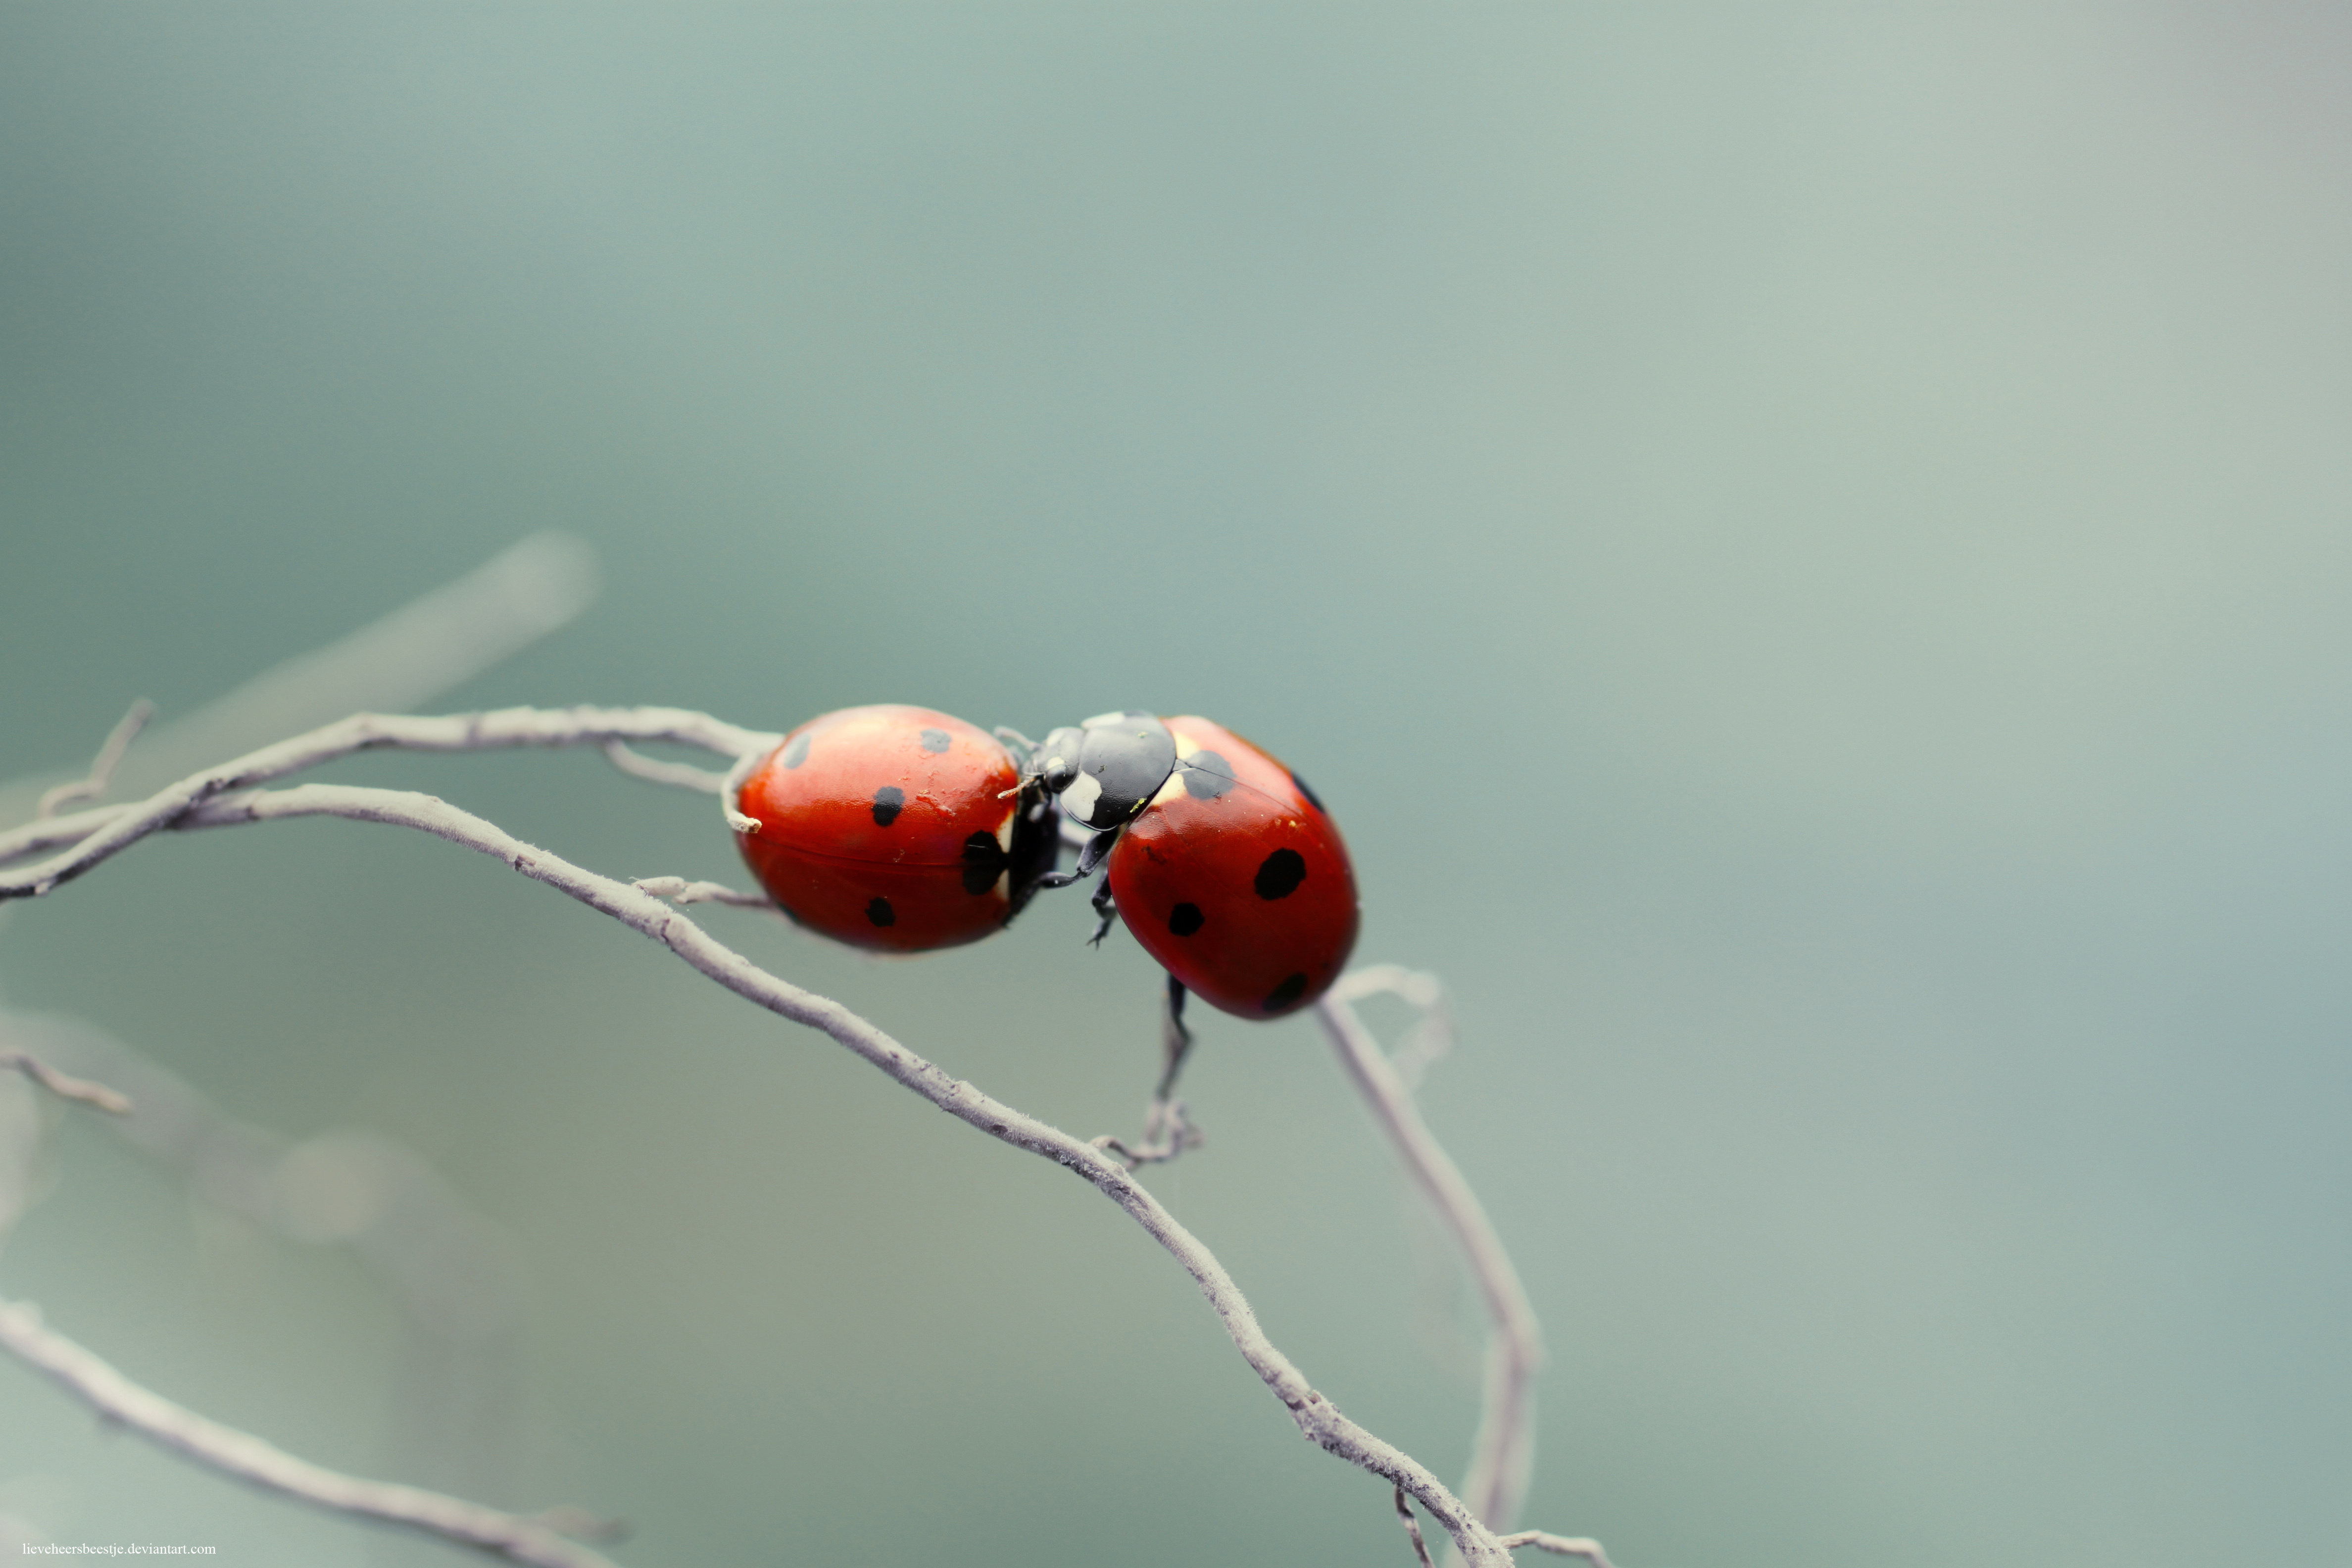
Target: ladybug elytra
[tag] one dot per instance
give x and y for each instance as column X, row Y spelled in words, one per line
column 1223, row 864
column 894, row 828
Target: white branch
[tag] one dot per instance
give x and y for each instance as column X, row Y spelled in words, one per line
column 92, row 785
column 397, row 664
column 108, row 1100
column 449, row 1269
column 108, row 831
column 677, row 775
column 249, row 1459
column 1561, row 1545
column 198, row 802
column 48, row 833
column 1505, row 1447
column 678, row 890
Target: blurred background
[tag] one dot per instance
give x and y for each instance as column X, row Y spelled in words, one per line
column 1807, row 550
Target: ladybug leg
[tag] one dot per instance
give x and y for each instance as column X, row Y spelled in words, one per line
column 1167, row 1130
column 1106, row 912
column 1090, row 859
column 1180, row 1038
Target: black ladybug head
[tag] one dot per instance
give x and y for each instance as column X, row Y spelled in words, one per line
column 1054, row 763
column 1108, row 768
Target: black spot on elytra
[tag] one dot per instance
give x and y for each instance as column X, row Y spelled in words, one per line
column 890, row 800
column 797, row 752
column 880, row 913
column 934, row 741
column 1207, row 776
column 1279, row 874
column 1287, row 994
column 983, row 862
column 1312, row 798
column 1186, row 918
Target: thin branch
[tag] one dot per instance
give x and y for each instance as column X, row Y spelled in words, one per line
column 398, row 664
column 112, row 1101
column 449, row 1271
column 249, row 1459
column 677, row 775
column 678, row 890
column 1413, row 1529
column 1430, row 1038
column 731, row 786
column 92, row 785
column 1582, row 1546
column 49, row 833
column 1505, row 1447
column 1315, row 1416
column 118, row 827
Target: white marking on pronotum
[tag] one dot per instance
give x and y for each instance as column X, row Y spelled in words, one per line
column 1079, row 799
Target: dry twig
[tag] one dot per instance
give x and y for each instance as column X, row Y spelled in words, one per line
column 1560, row 1545
column 677, row 775
column 96, row 833
column 1503, row 1449
column 678, row 890
column 112, row 1101
column 92, row 785
column 397, row 664
column 203, row 800
column 249, row 1459
column 222, row 797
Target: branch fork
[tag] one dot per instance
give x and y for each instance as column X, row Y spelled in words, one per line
column 229, row 795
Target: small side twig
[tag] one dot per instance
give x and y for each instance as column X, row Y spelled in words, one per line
column 112, row 1100
column 1582, row 1546
column 678, row 890
column 1413, row 1529
column 731, row 786
column 677, row 775
column 249, row 1459
column 92, row 785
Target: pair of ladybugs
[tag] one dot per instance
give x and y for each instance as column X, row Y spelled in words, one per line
column 904, row 829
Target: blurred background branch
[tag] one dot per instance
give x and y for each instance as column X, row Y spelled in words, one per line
column 1504, row 1448
column 399, row 662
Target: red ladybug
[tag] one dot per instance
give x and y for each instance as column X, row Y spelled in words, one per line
column 1224, row 865
column 894, row 828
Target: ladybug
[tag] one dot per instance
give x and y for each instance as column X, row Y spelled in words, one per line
column 1221, row 861
column 894, row 828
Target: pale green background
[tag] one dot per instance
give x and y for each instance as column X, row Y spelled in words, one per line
column 1807, row 547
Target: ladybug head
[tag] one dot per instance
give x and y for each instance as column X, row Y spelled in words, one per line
column 1108, row 769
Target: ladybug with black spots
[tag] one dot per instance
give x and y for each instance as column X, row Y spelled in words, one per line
column 894, row 828
column 1223, row 863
